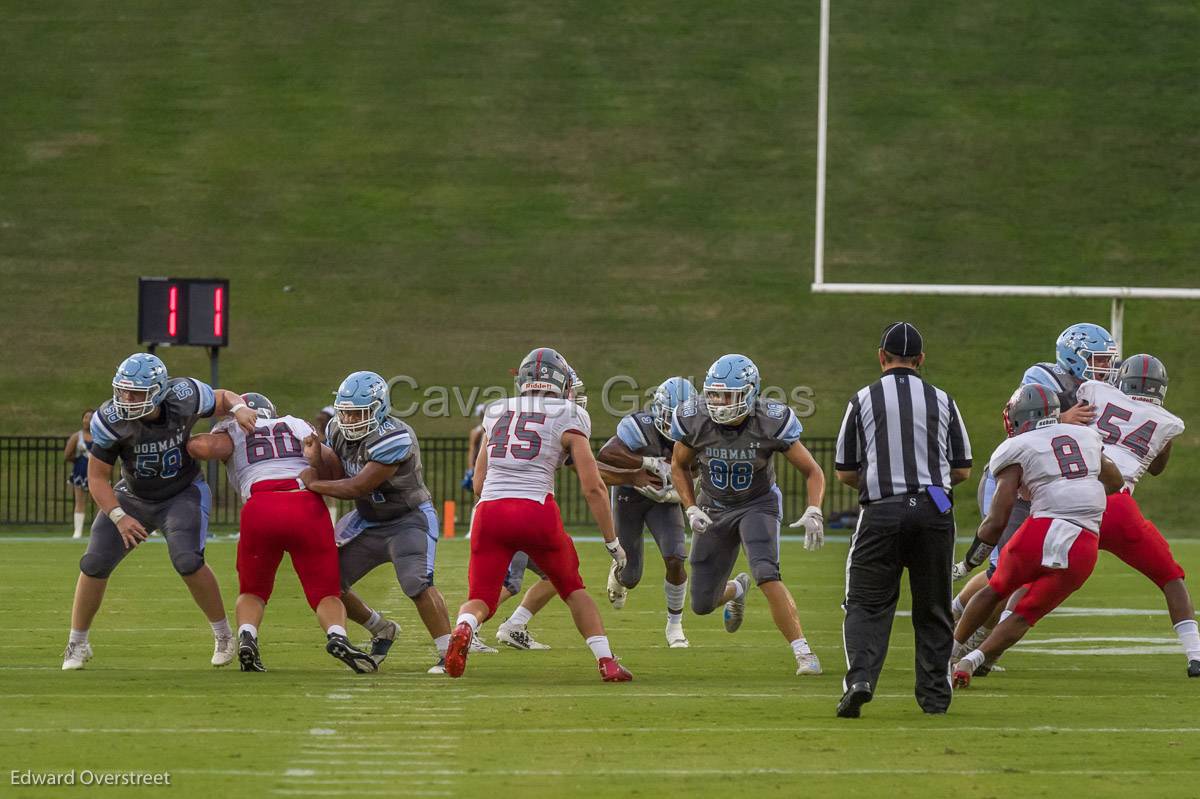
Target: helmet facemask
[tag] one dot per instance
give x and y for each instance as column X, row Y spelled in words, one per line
column 1101, row 365
column 128, row 406
column 357, row 421
column 727, row 405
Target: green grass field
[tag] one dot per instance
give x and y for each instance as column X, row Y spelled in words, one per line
column 446, row 185
column 726, row 717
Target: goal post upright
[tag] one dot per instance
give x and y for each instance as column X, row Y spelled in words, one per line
column 1117, row 294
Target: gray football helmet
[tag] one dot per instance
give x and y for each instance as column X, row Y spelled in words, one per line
column 543, row 369
column 1030, row 407
column 1144, row 377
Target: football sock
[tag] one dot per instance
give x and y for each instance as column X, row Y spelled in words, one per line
column 674, row 618
column 442, row 642
column 958, row 651
column 470, row 619
column 1189, row 636
column 78, row 517
column 520, row 616
column 675, row 595
column 974, row 659
column 737, row 589
column 336, row 629
column 599, row 646
column 221, row 629
column 800, row 647
column 78, row 637
column 376, row 624
column 248, row 628
column 957, row 607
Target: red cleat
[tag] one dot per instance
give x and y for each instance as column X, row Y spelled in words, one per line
column 962, row 677
column 456, row 653
column 611, row 670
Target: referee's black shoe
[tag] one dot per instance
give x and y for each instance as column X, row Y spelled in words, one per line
column 851, row 705
column 1194, row 668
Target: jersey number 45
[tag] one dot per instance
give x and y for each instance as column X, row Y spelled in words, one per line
column 502, row 445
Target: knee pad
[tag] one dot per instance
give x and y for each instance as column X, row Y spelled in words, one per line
column 94, row 565
column 187, row 563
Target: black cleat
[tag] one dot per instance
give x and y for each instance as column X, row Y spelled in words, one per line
column 340, row 647
column 851, row 705
column 248, row 653
column 1194, row 668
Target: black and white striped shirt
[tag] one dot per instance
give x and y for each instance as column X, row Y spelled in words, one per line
column 901, row 434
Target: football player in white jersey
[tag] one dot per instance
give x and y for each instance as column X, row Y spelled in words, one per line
column 1137, row 432
column 1054, row 551
column 279, row 516
column 526, row 439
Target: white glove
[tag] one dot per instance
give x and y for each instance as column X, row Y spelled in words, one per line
column 659, row 467
column 664, row 494
column 814, row 527
column 698, row 519
column 617, row 551
column 958, row 571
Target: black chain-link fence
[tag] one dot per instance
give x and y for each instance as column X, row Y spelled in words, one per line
column 35, row 493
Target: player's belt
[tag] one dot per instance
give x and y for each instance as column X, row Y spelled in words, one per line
column 280, row 485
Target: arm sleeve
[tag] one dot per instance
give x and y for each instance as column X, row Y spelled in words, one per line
column 206, row 400
column 631, row 435
column 1005, row 455
column 846, row 457
column 105, row 443
column 395, row 447
column 790, row 430
column 578, row 422
column 678, row 432
column 960, row 443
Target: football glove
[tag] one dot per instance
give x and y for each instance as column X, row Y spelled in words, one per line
column 659, row 467
column 698, row 519
column 814, row 527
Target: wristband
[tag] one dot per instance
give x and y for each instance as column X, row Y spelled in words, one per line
column 977, row 553
column 612, row 546
column 117, row 514
column 238, row 407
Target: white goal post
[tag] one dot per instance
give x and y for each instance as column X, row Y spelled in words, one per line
column 1118, row 294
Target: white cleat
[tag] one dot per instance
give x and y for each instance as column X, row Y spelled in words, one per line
column 808, row 665
column 482, row 648
column 224, row 651
column 517, row 636
column 75, row 655
column 675, row 637
column 439, row 667
column 616, row 592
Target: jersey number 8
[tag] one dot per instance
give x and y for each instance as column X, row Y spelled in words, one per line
column 1070, row 460
column 736, row 476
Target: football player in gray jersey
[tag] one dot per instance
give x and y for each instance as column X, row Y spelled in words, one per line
column 643, row 444
column 146, row 425
column 734, row 435
column 377, row 462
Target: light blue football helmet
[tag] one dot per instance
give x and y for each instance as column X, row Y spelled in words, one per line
column 362, row 404
column 730, row 388
column 1087, row 351
column 140, row 373
column 669, row 395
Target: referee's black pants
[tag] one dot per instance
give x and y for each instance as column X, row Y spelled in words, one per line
column 894, row 534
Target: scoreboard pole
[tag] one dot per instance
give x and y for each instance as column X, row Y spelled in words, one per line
column 213, row 352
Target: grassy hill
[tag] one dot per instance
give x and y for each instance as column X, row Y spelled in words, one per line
column 445, row 187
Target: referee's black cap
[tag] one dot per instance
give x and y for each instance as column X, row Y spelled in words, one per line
column 901, row 338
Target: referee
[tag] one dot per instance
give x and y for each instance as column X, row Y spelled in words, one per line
column 902, row 445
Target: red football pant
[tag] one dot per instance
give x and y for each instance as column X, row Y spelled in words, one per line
column 278, row 519
column 1021, row 564
column 1130, row 536
column 503, row 527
